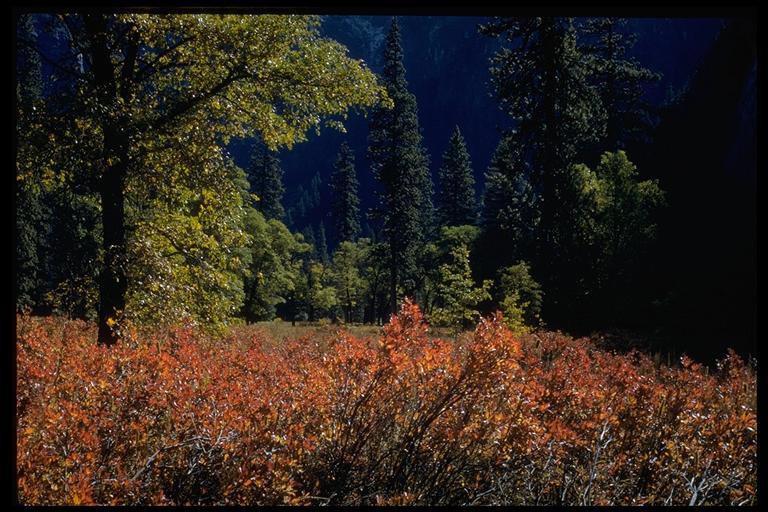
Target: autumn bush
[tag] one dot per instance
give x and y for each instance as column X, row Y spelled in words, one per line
column 402, row 418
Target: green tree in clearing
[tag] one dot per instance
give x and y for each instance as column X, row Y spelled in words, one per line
column 316, row 291
column 619, row 79
column 541, row 79
column 511, row 210
column 275, row 269
column 322, row 244
column 617, row 221
column 457, row 296
column 520, row 297
column 347, row 276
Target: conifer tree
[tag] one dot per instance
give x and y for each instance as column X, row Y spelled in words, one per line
column 299, row 209
column 322, row 244
column 314, row 190
column 620, row 81
column 401, row 165
column 369, row 232
column 347, row 276
column 266, row 178
column 56, row 220
column 457, row 295
column 520, row 296
column 510, row 213
column 29, row 70
column 345, row 203
column 456, row 194
column 541, row 81
column 275, row 268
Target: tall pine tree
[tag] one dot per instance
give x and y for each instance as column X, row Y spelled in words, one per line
column 620, row 81
column 266, row 177
column 456, row 203
column 400, row 163
column 510, row 213
column 345, row 203
column 322, row 244
column 541, row 81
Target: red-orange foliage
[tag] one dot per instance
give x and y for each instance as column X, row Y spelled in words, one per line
column 404, row 419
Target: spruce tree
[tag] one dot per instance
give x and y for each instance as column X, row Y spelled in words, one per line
column 266, row 177
column 369, row 232
column 401, row 165
column 345, row 203
column 29, row 86
column 456, row 295
column 127, row 121
column 322, row 244
column 620, row 81
column 57, row 235
column 541, row 81
column 510, row 213
column 299, row 209
column 314, row 190
column 456, row 195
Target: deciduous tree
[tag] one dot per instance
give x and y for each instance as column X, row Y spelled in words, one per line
column 146, row 88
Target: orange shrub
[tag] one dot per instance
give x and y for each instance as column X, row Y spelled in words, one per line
column 402, row 419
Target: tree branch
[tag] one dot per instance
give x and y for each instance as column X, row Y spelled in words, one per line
column 148, row 69
column 184, row 106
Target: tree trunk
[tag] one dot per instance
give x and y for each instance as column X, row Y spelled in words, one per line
column 393, row 281
column 113, row 285
column 112, row 279
column 547, row 245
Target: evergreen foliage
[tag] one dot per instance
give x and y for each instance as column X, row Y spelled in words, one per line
column 130, row 211
column 457, row 296
column 541, row 78
column 620, row 81
column 456, row 203
column 401, row 165
column 617, row 223
column 348, row 279
column 322, row 244
column 32, row 213
column 275, row 267
column 266, row 178
column 315, row 291
column 345, row 203
column 309, row 236
column 520, row 297
column 511, row 209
